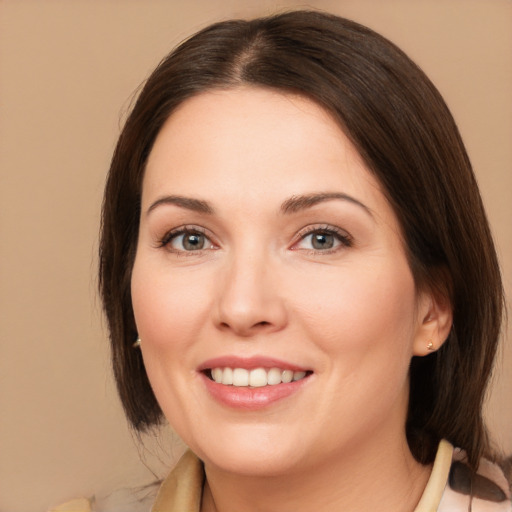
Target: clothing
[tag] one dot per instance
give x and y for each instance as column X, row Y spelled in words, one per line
column 181, row 491
column 447, row 489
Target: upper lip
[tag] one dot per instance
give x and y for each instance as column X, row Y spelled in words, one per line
column 249, row 363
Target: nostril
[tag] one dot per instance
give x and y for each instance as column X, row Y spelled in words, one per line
column 258, row 324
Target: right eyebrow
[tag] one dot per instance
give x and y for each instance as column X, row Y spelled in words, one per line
column 302, row 202
column 189, row 203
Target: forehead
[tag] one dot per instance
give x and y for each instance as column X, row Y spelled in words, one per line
column 256, row 141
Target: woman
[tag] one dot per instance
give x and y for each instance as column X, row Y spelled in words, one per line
column 298, row 274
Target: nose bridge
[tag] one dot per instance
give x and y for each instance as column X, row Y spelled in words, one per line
column 248, row 301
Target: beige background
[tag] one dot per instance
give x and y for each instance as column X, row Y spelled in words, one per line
column 67, row 71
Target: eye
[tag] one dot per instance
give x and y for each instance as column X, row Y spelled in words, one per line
column 187, row 240
column 323, row 239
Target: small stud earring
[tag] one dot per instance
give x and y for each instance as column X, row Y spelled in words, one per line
column 137, row 342
column 430, row 345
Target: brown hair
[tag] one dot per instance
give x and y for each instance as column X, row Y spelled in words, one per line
column 407, row 137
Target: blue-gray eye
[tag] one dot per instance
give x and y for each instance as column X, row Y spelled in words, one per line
column 188, row 241
column 321, row 241
column 324, row 240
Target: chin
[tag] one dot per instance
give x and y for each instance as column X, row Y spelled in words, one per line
column 253, row 463
column 254, row 453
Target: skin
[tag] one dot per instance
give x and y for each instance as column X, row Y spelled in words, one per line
column 351, row 314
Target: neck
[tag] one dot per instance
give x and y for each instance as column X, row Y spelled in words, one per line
column 374, row 476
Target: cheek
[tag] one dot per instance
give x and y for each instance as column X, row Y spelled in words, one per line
column 170, row 314
column 370, row 309
column 169, row 309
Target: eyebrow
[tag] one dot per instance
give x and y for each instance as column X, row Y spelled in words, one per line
column 302, row 202
column 292, row 205
column 189, row 203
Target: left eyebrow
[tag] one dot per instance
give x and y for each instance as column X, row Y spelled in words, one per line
column 188, row 203
column 302, row 202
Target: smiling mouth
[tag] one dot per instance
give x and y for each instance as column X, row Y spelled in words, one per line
column 254, row 378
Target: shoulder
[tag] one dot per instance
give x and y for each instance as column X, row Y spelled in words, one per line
column 487, row 491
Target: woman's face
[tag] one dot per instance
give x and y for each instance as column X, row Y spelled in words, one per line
column 268, row 252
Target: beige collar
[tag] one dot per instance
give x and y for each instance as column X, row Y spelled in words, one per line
column 434, row 489
column 182, row 490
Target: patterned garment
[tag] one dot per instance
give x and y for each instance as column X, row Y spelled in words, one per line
column 490, row 489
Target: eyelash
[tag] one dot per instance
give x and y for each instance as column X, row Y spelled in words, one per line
column 344, row 239
column 166, row 240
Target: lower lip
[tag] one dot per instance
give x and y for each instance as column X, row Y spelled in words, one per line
column 251, row 398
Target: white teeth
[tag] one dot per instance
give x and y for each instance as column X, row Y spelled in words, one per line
column 240, row 377
column 227, row 376
column 217, row 375
column 258, row 378
column 255, row 378
column 274, row 376
column 287, row 376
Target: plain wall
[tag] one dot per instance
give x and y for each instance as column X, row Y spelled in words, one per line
column 67, row 72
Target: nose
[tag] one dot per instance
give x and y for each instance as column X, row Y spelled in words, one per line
column 249, row 301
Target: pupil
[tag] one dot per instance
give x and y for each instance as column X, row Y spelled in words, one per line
column 323, row 241
column 193, row 242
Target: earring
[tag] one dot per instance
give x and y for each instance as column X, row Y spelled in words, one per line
column 430, row 345
column 137, row 342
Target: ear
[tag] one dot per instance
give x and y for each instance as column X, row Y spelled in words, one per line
column 435, row 317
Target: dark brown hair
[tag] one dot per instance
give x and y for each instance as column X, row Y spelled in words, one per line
column 408, row 139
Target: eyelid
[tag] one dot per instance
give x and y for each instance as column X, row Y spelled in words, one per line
column 342, row 236
column 166, row 239
column 345, row 239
